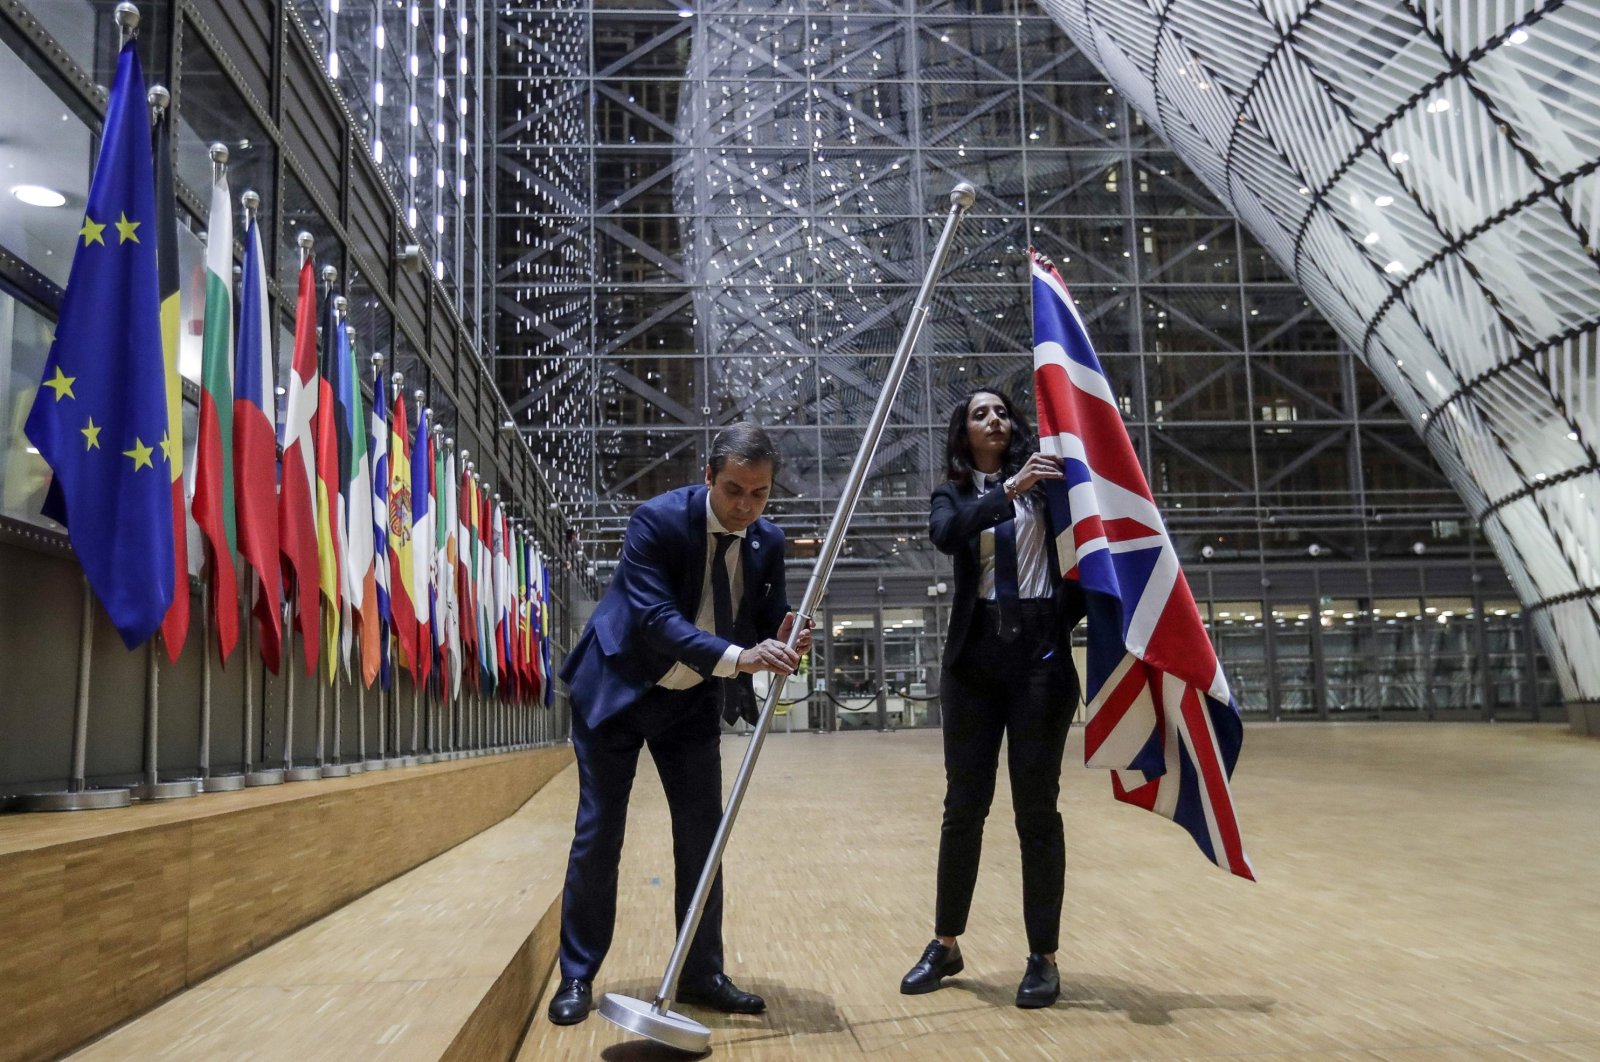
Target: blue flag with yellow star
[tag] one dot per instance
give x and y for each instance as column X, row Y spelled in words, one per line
column 100, row 416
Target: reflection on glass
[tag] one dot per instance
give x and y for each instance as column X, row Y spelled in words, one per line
column 25, row 338
column 45, row 154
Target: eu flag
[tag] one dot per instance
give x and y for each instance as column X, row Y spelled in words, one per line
column 100, row 416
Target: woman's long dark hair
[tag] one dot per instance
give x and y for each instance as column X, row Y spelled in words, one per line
column 958, row 449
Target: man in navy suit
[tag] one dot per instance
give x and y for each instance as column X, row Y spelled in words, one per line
column 696, row 606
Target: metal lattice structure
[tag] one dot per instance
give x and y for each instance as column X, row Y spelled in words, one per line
column 724, row 215
column 1428, row 173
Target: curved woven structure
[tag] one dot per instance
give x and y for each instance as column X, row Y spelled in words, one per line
column 1428, row 173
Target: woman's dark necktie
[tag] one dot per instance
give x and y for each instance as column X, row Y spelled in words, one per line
column 1006, row 584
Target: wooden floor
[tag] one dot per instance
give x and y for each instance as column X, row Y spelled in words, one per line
column 1427, row 892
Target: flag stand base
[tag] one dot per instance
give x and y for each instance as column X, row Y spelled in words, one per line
column 179, row 790
column 408, row 761
column 664, row 1027
column 222, row 783
column 268, row 777
column 338, row 770
column 375, row 765
column 302, row 774
column 427, row 757
column 82, row 800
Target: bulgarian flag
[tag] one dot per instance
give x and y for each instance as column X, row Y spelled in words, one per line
column 297, row 503
column 402, row 576
column 213, row 460
column 175, row 624
column 255, row 446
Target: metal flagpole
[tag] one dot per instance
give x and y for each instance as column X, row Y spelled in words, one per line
column 205, row 688
column 656, row 1020
column 77, row 796
column 273, row 775
column 224, row 783
column 153, row 788
column 338, row 768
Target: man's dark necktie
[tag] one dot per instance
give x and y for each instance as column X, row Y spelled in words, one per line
column 1006, row 593
column 722, row 616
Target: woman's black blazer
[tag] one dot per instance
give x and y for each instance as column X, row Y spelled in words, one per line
column 957, row 516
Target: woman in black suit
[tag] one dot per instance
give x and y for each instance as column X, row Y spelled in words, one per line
column 1007, row 670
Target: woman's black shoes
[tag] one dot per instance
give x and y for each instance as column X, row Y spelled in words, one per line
column 937, row 963
column 1041, row 984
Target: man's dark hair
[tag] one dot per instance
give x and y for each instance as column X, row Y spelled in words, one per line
column 958, row 448
column 746, row 442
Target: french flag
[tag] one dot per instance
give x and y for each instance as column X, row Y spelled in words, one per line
column 1161, row 716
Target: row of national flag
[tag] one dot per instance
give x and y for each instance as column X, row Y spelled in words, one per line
column 366, row 535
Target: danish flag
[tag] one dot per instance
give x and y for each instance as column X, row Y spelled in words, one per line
column 1161, row 717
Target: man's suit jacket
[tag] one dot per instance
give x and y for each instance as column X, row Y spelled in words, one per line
column 644, row 622
column 957, row 514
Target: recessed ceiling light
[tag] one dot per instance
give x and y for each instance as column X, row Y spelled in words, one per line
column 39, row 196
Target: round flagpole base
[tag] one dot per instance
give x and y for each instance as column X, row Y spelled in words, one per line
column 408, row 761
column 375, row 765
column 272, row 776
column 222, row 783
column 179, row 790
column 336, row 770
column 83, row 800
column 672, row 1029
column 426, row 757
column 302, row 774
column 394, row 763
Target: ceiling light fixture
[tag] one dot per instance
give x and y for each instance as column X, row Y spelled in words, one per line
column 38, row 195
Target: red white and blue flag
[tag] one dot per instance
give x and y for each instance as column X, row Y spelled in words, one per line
column 1161, row 717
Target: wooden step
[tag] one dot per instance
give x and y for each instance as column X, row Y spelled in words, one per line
column 445, row 962
column 107, row 913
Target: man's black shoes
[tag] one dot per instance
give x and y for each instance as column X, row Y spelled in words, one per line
column 937, row 963
column 719, row 993
column 1041, row 984
column 572, row 1002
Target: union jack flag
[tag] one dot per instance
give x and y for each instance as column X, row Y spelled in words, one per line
column 1161, row 717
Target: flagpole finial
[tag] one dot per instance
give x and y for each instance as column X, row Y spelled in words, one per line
column 450, row 441
column 159, row 98
column 341, row 305
column 963, row 195
column 398, row 381
column 417, row 396
column 127, row 16
column 330, row 275
column 377, row 362
column 219, row 153
column 252, row 203
column 306, row 241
